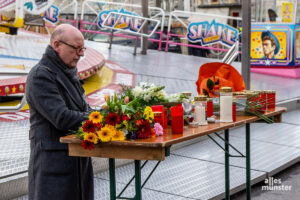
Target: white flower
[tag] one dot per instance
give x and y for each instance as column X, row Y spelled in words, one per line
column 137, row 91
column 174, row 98
column 147, row 97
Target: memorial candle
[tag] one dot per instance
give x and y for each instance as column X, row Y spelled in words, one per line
column 226, row 104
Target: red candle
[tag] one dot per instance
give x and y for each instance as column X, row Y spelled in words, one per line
column 158, row 118
column 233, row 111
column 271, row 99
column 165, row 126
column 209, row 107
column 159, row 108
column 263, row 101
column 177, row 119
column 252, row 100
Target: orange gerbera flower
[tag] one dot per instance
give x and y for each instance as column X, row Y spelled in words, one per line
column 91, row 137
column 105, row 134
column 118, row 136
column 95, row 117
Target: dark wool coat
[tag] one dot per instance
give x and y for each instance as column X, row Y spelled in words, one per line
column 57, row 104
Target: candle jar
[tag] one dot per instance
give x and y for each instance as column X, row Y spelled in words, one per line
column 209, row 107
column 187, row 103
column 271, row 99
column 226, row 104
column 252, row 100
column 177, row 119
column 158, row 118
column 240, row 98
column 234, row 111
column 160, row 108
column 200, row 110
column 262, row 101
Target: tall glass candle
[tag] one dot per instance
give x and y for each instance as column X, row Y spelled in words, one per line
column 226, row 104
column 209, row 107
column 233, row 111
column 200, row 110
column 177, row 119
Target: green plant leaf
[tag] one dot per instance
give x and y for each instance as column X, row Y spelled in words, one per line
column 205, row 92
column 210, row 84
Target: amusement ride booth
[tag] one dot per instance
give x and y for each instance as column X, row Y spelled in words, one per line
column 275, row 38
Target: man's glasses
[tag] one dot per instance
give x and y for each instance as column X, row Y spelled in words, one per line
column 78, row 49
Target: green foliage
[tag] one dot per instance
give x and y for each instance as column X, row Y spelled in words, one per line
column 205, row 92
column 210, row 84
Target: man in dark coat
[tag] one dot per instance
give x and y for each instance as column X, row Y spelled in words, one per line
column 57, row 104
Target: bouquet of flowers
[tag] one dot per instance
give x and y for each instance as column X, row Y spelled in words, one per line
column 125, row 116
column 118, row 120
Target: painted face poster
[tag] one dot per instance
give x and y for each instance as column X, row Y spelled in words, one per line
column 268, row 45
column 287, row 12
column 297, row 45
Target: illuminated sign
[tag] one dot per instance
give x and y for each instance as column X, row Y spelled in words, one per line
column 51, row 14
column 126, row 22
column 209, row 33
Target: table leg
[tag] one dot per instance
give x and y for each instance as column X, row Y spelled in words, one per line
column 138, row 184
column 112, row 179
column 227, row 176
column 248, row 170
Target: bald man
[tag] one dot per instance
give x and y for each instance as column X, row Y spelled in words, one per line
column 57, row 104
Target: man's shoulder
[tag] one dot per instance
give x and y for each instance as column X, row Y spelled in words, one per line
column 40, row 70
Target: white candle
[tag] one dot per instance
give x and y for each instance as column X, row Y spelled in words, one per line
column 197, row 114
column 202, row 116
column 226, row 108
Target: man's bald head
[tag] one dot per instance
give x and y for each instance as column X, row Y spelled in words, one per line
column 68, row 42
column 65, row 32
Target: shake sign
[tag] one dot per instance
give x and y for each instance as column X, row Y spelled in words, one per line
column 209, row 33
column 126, row 22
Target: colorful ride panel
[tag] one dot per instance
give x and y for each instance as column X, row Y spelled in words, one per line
column 18, row 54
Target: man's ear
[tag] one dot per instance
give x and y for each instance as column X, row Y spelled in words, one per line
column 55, row 45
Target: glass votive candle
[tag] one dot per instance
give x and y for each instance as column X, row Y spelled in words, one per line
column 158, row 118
column 271, row 100
column 159, row 108
column 263, row 100
column 177, row 122
column 209, row 107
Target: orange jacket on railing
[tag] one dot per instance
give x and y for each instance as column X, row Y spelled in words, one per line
column 227, row 75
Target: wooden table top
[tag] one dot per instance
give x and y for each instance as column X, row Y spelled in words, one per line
column 189, row 133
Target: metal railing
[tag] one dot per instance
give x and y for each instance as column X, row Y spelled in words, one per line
column 231, row 54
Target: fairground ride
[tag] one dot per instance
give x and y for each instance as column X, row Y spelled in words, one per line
column 13, row 13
